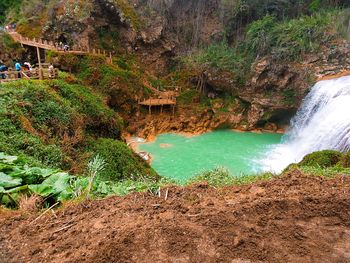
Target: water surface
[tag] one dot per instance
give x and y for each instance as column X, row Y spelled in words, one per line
column 180, row 158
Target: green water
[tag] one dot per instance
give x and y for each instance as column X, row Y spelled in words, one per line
column 184, row 157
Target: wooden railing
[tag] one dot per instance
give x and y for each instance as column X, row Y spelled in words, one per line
column 50, row 45
column 35, row 73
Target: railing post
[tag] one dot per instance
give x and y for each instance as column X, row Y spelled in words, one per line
column 39, row 60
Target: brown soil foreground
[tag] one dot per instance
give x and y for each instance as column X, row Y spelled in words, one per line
column 294, row 218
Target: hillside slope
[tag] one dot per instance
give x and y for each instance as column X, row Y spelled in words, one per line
column 293, row 218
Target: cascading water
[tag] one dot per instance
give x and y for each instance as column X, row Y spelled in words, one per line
column 322, row 123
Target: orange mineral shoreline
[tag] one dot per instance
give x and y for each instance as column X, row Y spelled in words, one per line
column 341, row 74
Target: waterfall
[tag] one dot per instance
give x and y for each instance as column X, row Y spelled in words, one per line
column 322, row 123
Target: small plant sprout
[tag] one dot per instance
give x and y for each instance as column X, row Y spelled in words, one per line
column 94, row 167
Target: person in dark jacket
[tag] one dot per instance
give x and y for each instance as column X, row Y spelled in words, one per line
column 3, row 68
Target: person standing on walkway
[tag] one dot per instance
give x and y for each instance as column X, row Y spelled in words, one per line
column 28, row 68
column 18, row 69
column 51, row 71
column 66, row 48
column 3, row 68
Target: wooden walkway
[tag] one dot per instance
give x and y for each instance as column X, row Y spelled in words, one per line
column 50, row 45
column 41, row 72
column 13, row 75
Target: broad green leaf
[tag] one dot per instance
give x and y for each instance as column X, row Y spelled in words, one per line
column 42, row 190
column 7, row 158
column 6, row 168
column 40, row 172
column 59, row 181
column 7, row 181
column 65, row 195
column 53, row 185
column 17, row 189
column 102, row 188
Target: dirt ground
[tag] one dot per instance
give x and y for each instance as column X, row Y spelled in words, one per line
column 293, row 218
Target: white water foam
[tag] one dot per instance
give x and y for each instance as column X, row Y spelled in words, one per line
column 322, row 123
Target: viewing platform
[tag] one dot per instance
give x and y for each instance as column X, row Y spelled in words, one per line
column 35, row 73
column 164, row 99
column 157, row 102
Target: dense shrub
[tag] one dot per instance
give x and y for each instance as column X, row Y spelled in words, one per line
column 5, row 5
column 49, row 121
column 345, row 160
column 187, row 96
column 238, row 14
column 99, row 119
column 15, row 140
column 282, row 39
column 219, row 56
column 289, row 39
column 323, row 159
column 121, row 161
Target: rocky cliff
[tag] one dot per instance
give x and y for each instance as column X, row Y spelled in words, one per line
column 160, row 33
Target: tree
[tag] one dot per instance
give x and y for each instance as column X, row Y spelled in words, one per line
column 5, row 5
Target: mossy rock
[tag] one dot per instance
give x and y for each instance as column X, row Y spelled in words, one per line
column 323, row 159
column 121, row 162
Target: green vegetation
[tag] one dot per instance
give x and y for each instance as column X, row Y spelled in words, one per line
column 323, row 159
column 62, row 124
column 120, row 161
column 326, row 163
column 241, row 13
column 325, row 172
column 129, row 13
column 219, row 56
column 220, row 176
column 187, row 96
column 18, row 179
column 107, row 38
column 8, row 46
column 289, row 96
column 289, row 39
column 5, row 5
column 103, row 77
column 124, row 77
column 345, row 160
column 50, row 121
column 94, row 71
column 284, row 40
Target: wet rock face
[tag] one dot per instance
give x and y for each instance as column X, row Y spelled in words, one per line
column 150, row 126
